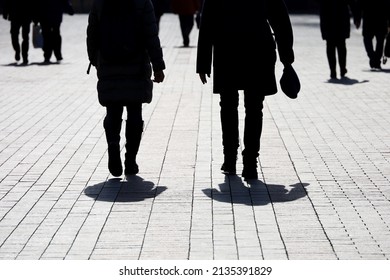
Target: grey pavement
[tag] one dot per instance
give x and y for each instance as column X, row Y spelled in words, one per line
column 324, row 188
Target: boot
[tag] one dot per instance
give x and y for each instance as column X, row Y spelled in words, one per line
column 113, row 139
column 229, row 164
column 250, row 166
column 133, row 140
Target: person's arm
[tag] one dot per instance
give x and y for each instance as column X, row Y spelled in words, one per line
column 152, row 42
column 205, row 43
column 279, row 20
column 93, row 34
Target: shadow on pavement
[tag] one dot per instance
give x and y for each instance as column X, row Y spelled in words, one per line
column 134, row 189
column 346, row 81
column 233, row 190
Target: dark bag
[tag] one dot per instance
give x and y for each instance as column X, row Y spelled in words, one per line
column 387, row 46
column 133, row 88
column 289, row 82
column 37, row 38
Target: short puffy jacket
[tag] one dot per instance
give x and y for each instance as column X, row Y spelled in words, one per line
column 148, row 52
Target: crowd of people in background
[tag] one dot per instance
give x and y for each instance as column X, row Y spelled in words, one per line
column 47, row 13
column 335, row 21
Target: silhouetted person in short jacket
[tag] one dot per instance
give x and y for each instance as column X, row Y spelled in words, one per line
column 237, row 37
column 132, row 61
column 20, row 13
column 186, row 9
column 335, row 22
column 50, row 14
column 375, row 16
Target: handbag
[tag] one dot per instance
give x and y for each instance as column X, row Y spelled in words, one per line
column 37, row 38
column 289, row 82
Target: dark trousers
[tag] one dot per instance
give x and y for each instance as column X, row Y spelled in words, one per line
column 15, row 29
column 374, row 55
column 331, row 47
column 186, row 25
column 51, row 40
column 113, row 119
column 253, row 102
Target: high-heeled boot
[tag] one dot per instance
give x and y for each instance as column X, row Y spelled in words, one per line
column 133, row 140
column 112, row 131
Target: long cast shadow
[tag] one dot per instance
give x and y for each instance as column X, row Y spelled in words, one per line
column 346, row 81
column 256, row 193
column 134, row 189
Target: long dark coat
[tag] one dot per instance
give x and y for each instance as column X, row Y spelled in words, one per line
column 51, row 11
column 19, row 10
column 375, row 15
column 147, row 50
column 237, row 36
column 335, row 18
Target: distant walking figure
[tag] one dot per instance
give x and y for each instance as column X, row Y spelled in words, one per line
column 186, row 9
column 123, row 44
column 50, row 16
column 375, row 16
column 335, row 22
column 237, row 37
column 20, row 13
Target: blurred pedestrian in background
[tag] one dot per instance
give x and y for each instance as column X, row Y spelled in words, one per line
column 50, row 14
column 375, row 16
column 20, row 13
column 123, row 44
column 186, row 9
column 335, row 23
column 235, row 38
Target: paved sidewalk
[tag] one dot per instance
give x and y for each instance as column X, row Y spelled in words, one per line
column 324, row 188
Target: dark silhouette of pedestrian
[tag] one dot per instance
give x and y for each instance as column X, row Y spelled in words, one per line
column 123, row 44
column 237, row 37
column 20, row 13
column 375, row 17
column 186, row 9
column 50, row 15
column 335, row 22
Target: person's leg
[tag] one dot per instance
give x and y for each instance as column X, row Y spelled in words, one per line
column 186, row 25
column 15, row 27
column 331, row 55
column 47, row 41
column 134, row 129
column 26, row 40
column 368, row 45
column 57, row 41
column 378, row 53
column 342, row 54
column 112, row 126
column 230, row 133
column 252, row 132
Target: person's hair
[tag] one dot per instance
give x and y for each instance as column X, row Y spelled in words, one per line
column 117, row 7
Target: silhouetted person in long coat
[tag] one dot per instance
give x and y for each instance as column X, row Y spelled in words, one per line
column 20, row 13
column 237, row 37
column 375, row 16
column 50, row 16
column 186, row 9
column 335, row 22
column 123, row 44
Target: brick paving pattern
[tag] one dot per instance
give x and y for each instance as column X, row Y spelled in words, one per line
column 324, row 188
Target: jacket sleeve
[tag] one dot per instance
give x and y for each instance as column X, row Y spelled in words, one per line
column 93, row 34
column 205, row 40
column 279, row 20
column 152, row 41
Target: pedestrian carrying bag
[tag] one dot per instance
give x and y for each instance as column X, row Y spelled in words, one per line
column 37, row 38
